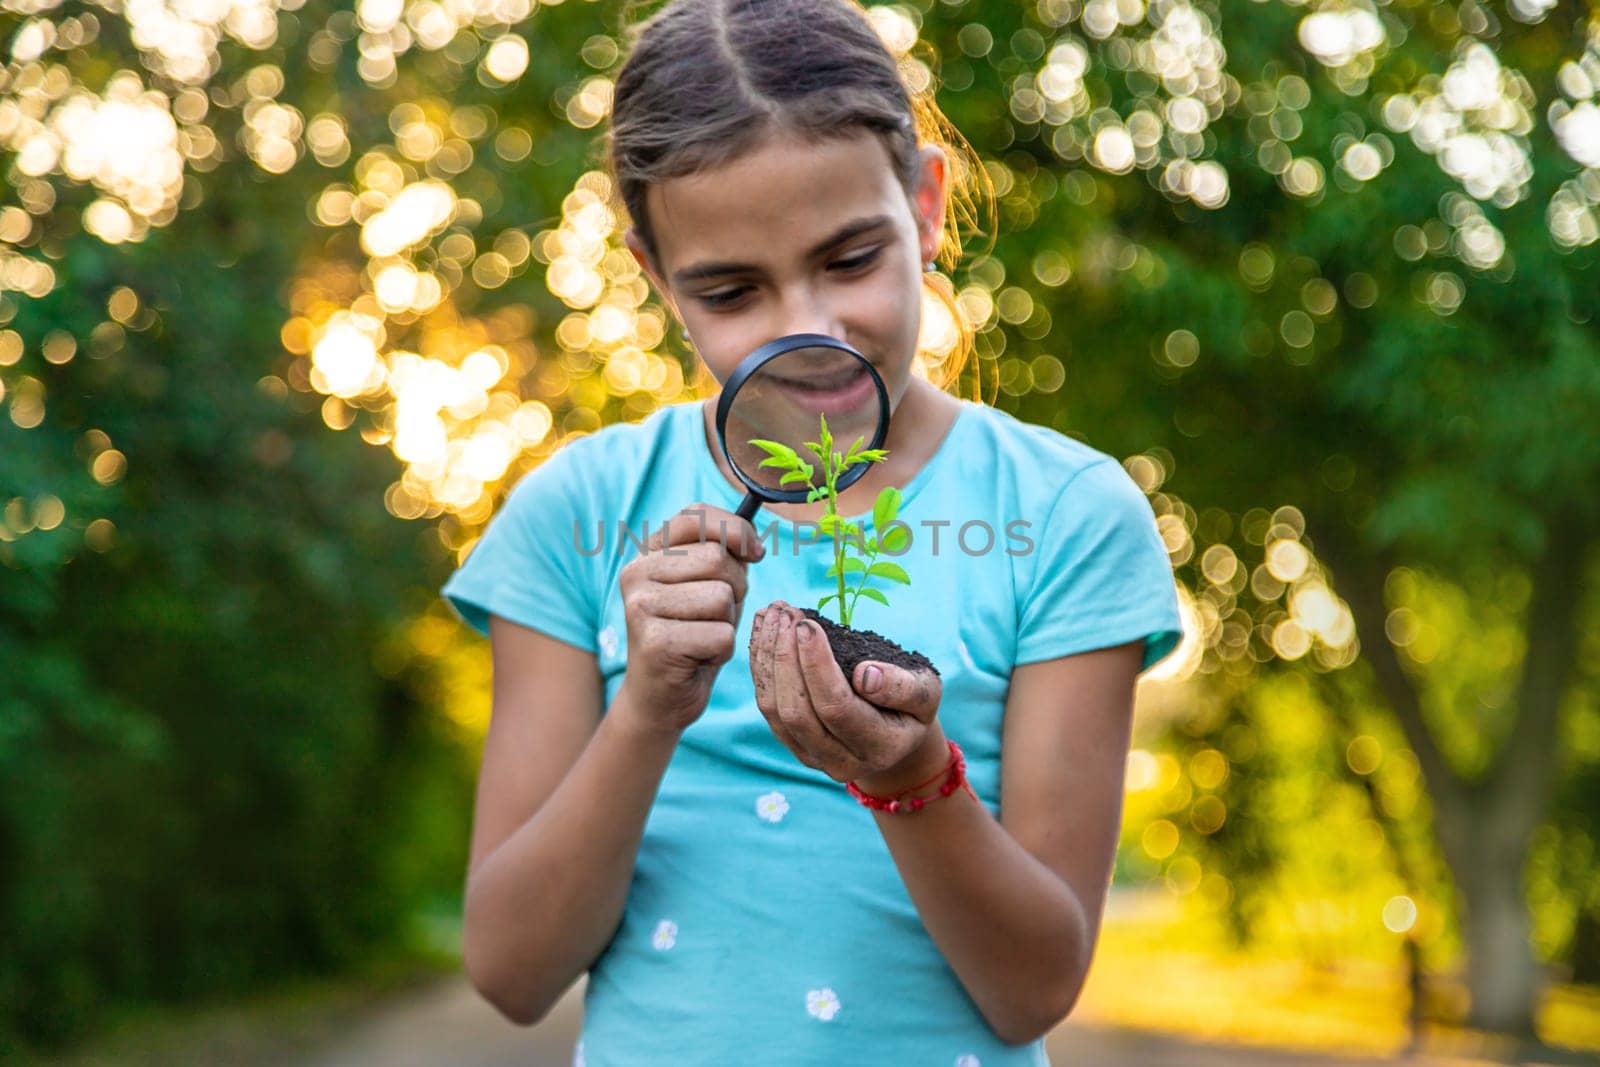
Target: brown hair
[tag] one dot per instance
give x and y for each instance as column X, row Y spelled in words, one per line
column 706, row 80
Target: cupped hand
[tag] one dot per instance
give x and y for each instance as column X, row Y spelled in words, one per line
column 821, row 717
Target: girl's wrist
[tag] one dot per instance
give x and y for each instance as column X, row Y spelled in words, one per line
column 930, row 757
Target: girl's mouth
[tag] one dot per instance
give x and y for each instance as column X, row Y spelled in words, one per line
column 849, row 390
column 828, row 383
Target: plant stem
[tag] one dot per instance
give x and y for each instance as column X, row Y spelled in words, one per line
column 838, row 541
column 855, row 597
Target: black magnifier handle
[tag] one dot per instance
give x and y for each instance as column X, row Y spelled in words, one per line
column 748, row 507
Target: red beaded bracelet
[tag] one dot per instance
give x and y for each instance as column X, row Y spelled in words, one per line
column 955, row 776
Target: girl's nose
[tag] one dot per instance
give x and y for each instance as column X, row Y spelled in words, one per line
column 806, row 314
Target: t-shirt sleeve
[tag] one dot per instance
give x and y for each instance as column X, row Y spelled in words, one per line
column 527, row 566
column 1102, row 577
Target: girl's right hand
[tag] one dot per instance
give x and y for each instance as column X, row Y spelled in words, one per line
column 682, row 597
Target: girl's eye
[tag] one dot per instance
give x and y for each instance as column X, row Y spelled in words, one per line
column 722, row 299
column 726, row 298
column 866, row 259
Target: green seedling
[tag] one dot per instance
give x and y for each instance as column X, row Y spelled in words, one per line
column 845, row 535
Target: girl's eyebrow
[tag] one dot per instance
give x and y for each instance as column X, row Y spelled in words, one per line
column 702, row 271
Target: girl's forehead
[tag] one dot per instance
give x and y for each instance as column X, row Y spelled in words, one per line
column 775, row 202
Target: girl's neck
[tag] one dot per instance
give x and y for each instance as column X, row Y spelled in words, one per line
column 921, row 420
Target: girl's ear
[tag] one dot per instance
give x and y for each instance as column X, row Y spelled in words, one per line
column 636, row 246
column 642, row 255
column 929, row 199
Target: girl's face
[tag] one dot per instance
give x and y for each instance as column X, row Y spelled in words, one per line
column 799, row 238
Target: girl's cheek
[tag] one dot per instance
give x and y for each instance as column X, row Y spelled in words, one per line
column 722, row 341
column 877, row 310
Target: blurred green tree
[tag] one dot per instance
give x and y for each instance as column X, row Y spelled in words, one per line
column 1324, row 272
column 1332, row 268
column 216, row 748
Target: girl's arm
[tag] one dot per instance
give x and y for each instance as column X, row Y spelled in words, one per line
column 563, row 795
column 1015, row 904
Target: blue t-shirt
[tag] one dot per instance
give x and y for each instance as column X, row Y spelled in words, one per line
column 766, row 917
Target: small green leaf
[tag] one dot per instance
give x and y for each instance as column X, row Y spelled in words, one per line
column 874, row 594
column 874, row 455
column 817, row 493
column 794, row 476
column 886, row 507
column 776, row 451
column 824, row 601
column 776, row 461
column 893, row 571
column 827, row 438
column 817, row 450
column 872, row 546
column 851, row 566
column 896, row 538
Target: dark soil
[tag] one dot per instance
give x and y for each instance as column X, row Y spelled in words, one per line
column 851, row 646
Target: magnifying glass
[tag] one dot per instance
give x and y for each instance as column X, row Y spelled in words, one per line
column 780, row 392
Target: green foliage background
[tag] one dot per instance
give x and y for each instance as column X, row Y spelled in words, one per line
column 218, row 765
column 225, row 756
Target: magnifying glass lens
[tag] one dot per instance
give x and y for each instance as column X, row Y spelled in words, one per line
column 786, row 398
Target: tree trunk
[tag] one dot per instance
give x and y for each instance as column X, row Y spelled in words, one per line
column 1484, row 826
column 1503, row 977
column 1585, row 954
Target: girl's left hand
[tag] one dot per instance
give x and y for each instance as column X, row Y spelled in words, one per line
column 813, row 710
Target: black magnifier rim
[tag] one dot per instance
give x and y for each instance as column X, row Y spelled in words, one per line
column 760, row 358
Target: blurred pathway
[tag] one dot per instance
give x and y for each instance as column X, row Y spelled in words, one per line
column 447, row 1024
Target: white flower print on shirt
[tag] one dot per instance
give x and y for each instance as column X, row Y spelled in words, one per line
column 772, row 806
column 969, row 1060
column 608, row 642
column 666, row 935
column 822, row 1003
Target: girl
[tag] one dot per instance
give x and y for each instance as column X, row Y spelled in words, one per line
column 691, row 805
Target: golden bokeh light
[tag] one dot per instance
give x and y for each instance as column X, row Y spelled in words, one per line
column 401, row 348
column 455, row 313
column 108, row 467
column 1475, row 121
column 345, row 359
column 1160, row 839
column 1142, row 770
column 415, row 213
column 1363, row 754
column 506, row 58
column 100, row 535
column 48, row 512
column 1399, row 914
column 27, row 402
column 1208, row 768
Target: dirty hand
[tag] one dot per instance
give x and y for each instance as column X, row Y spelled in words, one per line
column 818, row 716
column 682, row 597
